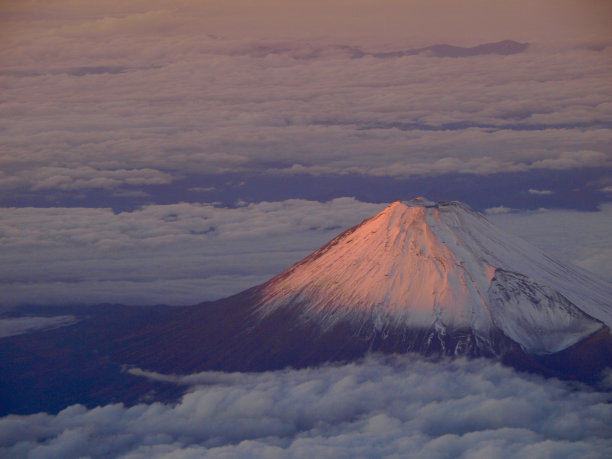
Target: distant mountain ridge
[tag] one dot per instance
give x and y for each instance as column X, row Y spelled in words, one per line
column 504, row 48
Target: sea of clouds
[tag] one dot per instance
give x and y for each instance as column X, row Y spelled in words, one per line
column 117, row 96
column 398, row 406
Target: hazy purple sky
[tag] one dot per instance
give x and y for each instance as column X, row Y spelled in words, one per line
column 157, row 151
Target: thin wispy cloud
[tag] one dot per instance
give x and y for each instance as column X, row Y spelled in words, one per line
column 499, row 210
column 540, row 192
column 19, row 325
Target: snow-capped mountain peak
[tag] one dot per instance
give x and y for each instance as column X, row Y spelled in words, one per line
column 440, row 266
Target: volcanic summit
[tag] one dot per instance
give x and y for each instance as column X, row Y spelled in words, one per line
column 441, row 267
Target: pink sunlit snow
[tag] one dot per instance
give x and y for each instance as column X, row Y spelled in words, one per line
column 422, row 265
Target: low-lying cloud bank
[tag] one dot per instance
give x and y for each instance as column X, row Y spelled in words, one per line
column 385, row 406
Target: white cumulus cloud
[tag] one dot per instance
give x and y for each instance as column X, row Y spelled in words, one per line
column 382, row 407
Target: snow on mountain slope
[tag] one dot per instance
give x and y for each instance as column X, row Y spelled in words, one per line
column 441, row 266
column 474, row 233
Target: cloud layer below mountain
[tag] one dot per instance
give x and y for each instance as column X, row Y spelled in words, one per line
column 385, row 406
